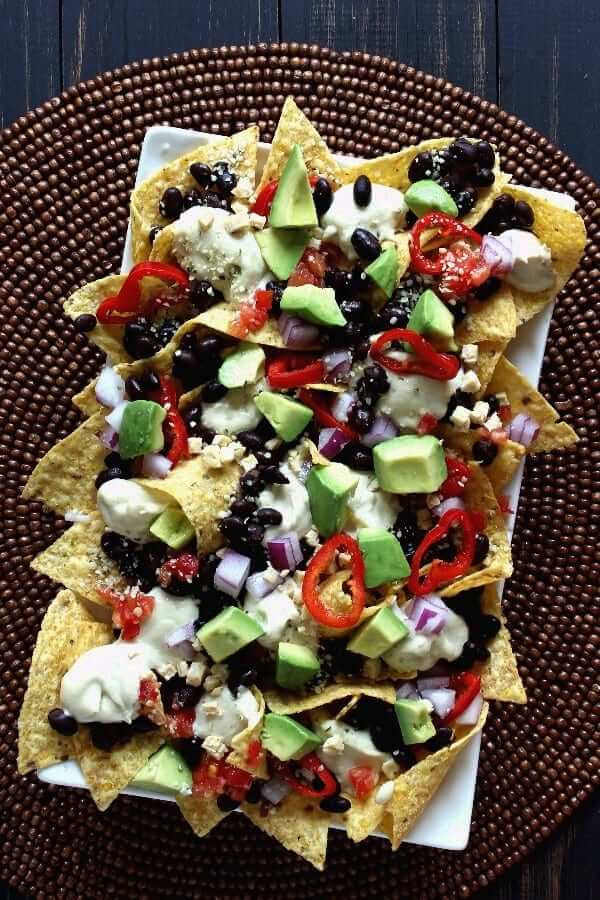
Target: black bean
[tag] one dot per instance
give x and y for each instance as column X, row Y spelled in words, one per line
column 251, row 440
column 232, row 527
column 484, row 627
column 493, row 402
column 191, row 750
column 153, row 234
column 269, row 516
column 202, row 294
column 355, row 309
column 485, row 154
column 62, row 722
column 274, row 475
column 362, row 190
column 504, row 204
column 143, row 724
column 243, row 508
column 248, row 677
column 483, row 177
column 485, row 452
column 213, row 391
column 211, row 345
column 482, row 546
column 366, row 244
column 251, row 483
column 134, row 388
column 254, row 792
column 360, row 417
column 404, row 757
column 385, row 732
column 335, row 804
column 227, row 803
column 186, row 369
column 171, row 203
column 105, row 736
column 114, row 545
column 361, row 351
column 523, row 214
column 485, row 290
column 442, row 738
column 410, row 218
column 465, row 200
column 322, row 196
column 421, row 166
column 226, row 181
column 149, row 381
column 108, row 475
column 112, row 460
column 201, row 173
column 212, row 199
column 357, row 457
column 192, row 198
column 255, row 532
column 167, row 330
column 462, row 150
column 85, row 322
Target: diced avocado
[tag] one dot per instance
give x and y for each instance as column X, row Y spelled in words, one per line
column 384, row 270
column 383, row 556
column 414, row 719
column 432, row 318
column 141, row 429
column 228, row 632
column 315, row 304
column 244, row 366
column 329, row 488
column 173, row 528
column 282, row 248
column 410, row 464
column 293, row 205
column 429, row 196
column 288, row 417
column 287, row 739
column 295, row 665
column 378, row 635
column 166, row 771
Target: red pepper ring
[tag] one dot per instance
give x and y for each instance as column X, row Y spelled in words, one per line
column 441, row 571
column 448, row 227
column 323, row 415
column 467, row 685
column 174, row 425
column 125, row 306
column 290, row 370
column 427, row 360
column 317, row 567
column 313, row 764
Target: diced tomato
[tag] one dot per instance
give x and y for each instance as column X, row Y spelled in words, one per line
column 263, row 299
column 249, row 319
column 504, row 504
column 129, row 610
column 363, row 780
column 254, row 753
column 214, row 776
column 463, row 269
column 310, row 269
column 458, row 476
column 332, row 253
column 427, row 424
column 148, row 691
column 184, row 566
column 181, row 724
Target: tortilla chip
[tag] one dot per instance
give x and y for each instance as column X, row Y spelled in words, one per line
column 298, row 823
column 221, row 317
column 363, row 817
column 67, row 631
column 524, row 398
column 242, row 741
column 563, row 231
column 64, row 478
column 106, row 774
column 86, row 300
column 294, row 128
column 288, row 704
column 76, row 560
column 489, row 320
column 161, row 362
column 507, row 460
column 201, row 813
column 500, row 679
column 487, row 360
column 238, row 151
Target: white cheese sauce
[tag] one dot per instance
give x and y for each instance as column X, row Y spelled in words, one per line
column 222, row 715
column 418, row 652
column 129, row 508
column 283, row 616
column 383, row 216
column 532, row 270
column 358, row 750
column 369, row 506
column 291, row 500
column 234, row 413
column 411, row 396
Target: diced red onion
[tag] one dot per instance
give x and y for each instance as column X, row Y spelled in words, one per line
column 471, row 714
column 428, row 614
column 382, row 429
column 183, row 634
column 297, row 333
column 407, row 691
column 115, row 417
column 497, row 255
column 331, row 442
column 74, row 515
column 341, row 406
column 433, row 682
column 285, row 551
column 443, row 507
column 110, row 387
column 338, row 364
column 155, row 465
column 523, row 429
column 275, row 790
column 109, row 438
column 231, row 573
column 259, row 586
column 442, row 699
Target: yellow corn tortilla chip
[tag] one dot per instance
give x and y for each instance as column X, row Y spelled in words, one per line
column 67, row 631
column 299, row 824
column 487, row 360
column 201, row 813
column 294, row 128
column 489, row 320
column 503, row 467
column 563, row 231
column 524, row 398
column 500, row 679
column 284, row 702
column 64, row 478
column 221, row 317
column 86, row 300
column 238, row 151
column 241, row 742
column 161, row 363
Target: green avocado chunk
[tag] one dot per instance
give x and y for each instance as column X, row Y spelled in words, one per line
column 141, row 429
column 295, row 665
column 287, row 739
column 410, row 464
column 329, row 488
column 288, row 417
column 429, row 196
column 228, row 632
column 315, row 304
column 432, row 318
column 244, row 366
column 383, row 556
column 165, row 771
column 282, row 248
column 293, row 205
column 384, row 270
column 173, row 528
column 415, row 722
column 378, row 635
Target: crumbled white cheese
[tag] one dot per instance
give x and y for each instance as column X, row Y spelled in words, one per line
column 243, row 189
column 205, row 217
column 469, row 354
column 384, row 793
column 211, row 709
column 312, row 537
column 334, row 744
column 390, row 769
column 239, row 221
column 494, row 422
column 74, row 515
column 470, row 383
column 211, row 682
column 227, row 455
column 480, row 412
column 433, row 500
column 182, row 668
column 249, row 462
column 196, row 673
column 257, row 221
column 215, row 745
column 461, row 418
column 195, row 445
column 166, row 671
column 221, row 440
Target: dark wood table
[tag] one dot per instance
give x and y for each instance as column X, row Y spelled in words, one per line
column 536, row 58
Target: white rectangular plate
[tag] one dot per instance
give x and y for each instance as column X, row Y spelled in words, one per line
column 446, row 821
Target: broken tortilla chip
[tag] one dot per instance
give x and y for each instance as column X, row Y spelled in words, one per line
column 201, row 813
column 500, row 679
column 504, row 465
column 288, row 703
column 86, row 300
column 494, row 319
column 298, row 823
column 489, row 352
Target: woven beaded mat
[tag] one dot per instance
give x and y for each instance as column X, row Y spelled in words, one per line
column 66, row 170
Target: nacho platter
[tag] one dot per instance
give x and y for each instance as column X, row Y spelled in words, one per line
column 168, row 135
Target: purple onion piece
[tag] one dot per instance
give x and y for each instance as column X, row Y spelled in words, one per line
column 338, row 365
column 428, row 614
column 183, row 634
column 443, row 507
column 231, row 573
column 275, row 790
column 285, row 551
column 432, row 682
column 331, row 442
column 341, row 406
column 407, row 691
column 155, row 465
column 110, row 387
column 442, row 699
column 523, row 429
column 382, row 429
column 109, row 438
column 115, row 417
column 297, row 333
column 497, row 255
column 259, row 586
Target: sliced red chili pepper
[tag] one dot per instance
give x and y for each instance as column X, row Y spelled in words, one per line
column 126, row 305
column 318, row 566
column 441, row 571
column 427, row 424
column 175, row 429
column 290, row 370
column 313, row 764
column 467, row 685
column 504, row 504
column 323, row 415
column 129, row 610
column 425, row 361
column 181, row 724
column 255, row 753
column 459, row 474
column 363, row 780
column 448, row 228
column 262, row 204
column 478, row 519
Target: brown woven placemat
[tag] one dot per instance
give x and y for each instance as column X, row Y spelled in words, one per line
column 66, row 170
